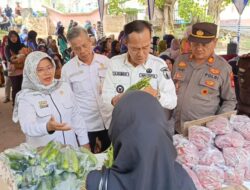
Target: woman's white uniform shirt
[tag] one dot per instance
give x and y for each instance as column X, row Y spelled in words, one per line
column 37, row 103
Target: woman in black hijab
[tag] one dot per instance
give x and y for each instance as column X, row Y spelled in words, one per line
column 15, row 74
column 155, row 44
column 14, row 45
column 115, row 48
column 32, row 40
column 144, row 155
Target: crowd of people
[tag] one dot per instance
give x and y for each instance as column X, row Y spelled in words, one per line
column 9, row 18
column 66, row 89
column 168, row 61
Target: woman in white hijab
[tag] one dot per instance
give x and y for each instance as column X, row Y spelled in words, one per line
column 46, row 108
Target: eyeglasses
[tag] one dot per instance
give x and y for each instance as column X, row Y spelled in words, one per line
column 45, row 70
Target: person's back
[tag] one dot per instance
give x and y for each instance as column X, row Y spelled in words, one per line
column 8, row 11
column 140, row 163
column 244, row 85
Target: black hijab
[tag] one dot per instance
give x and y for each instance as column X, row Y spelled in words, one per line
column 14, row 47
column 144, row 155
column 60, row 33
column 113, row 48
column 155, row 39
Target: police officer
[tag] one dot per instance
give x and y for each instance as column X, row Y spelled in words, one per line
column 127, row 69
column 204, row 81
column 243, row 106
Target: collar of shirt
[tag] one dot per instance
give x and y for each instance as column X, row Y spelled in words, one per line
column 144, row 66
column 210, row 62
column 79, row 62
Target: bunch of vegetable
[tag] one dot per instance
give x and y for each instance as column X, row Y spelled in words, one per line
column 110, row 157
column 54, row 167
column 143, row 83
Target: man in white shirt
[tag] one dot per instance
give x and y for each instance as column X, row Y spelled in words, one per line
column 85, row 73
column 127, row 69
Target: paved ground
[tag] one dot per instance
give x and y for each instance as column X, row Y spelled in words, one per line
column 10, row 133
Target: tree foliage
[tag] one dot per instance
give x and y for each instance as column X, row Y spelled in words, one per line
column 117, row 7
column 190, row 9
column 158, row 3
column 203, row 10
column 61, row 7
column 47, row 2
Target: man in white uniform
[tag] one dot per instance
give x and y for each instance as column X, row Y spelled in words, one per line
column 127, row 69
column 85, row 73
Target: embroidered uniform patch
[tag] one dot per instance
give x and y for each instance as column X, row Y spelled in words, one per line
column 120, row 89
column 178, row 76
column 142, row 75
column 204, row 92
column 61, row 92
column 182, row 65
column 210, row 60
column 43, row 104
column 120, row 73
column 210, row 83
column 102, row 66
column 214, row 71
column 212, row 76
column 149, row 70
column 165, row 71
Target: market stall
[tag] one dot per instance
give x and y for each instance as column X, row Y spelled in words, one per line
column 215, row 151
column 51, row 167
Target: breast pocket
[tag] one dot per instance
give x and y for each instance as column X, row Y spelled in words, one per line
column 210, row 83
column 67, row 110
column 207, row 89
column 43, row 113
column 79, row 84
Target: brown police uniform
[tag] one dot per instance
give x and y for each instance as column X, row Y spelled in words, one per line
column 202, row 89
column 244, row 85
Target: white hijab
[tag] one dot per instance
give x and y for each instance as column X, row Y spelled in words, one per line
column 31, row 82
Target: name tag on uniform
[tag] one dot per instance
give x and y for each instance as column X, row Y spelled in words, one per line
column 211, row 76
column 43, row 104
column 120, row 73
column 141, row 75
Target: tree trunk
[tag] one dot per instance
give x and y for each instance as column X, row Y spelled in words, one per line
column 164, row 17
column 168, row 17
column 158, row 20
column 214, row 10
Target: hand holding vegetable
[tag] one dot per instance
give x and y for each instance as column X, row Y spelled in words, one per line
column 140, row 85
column 151, row 91
column 116, row 99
